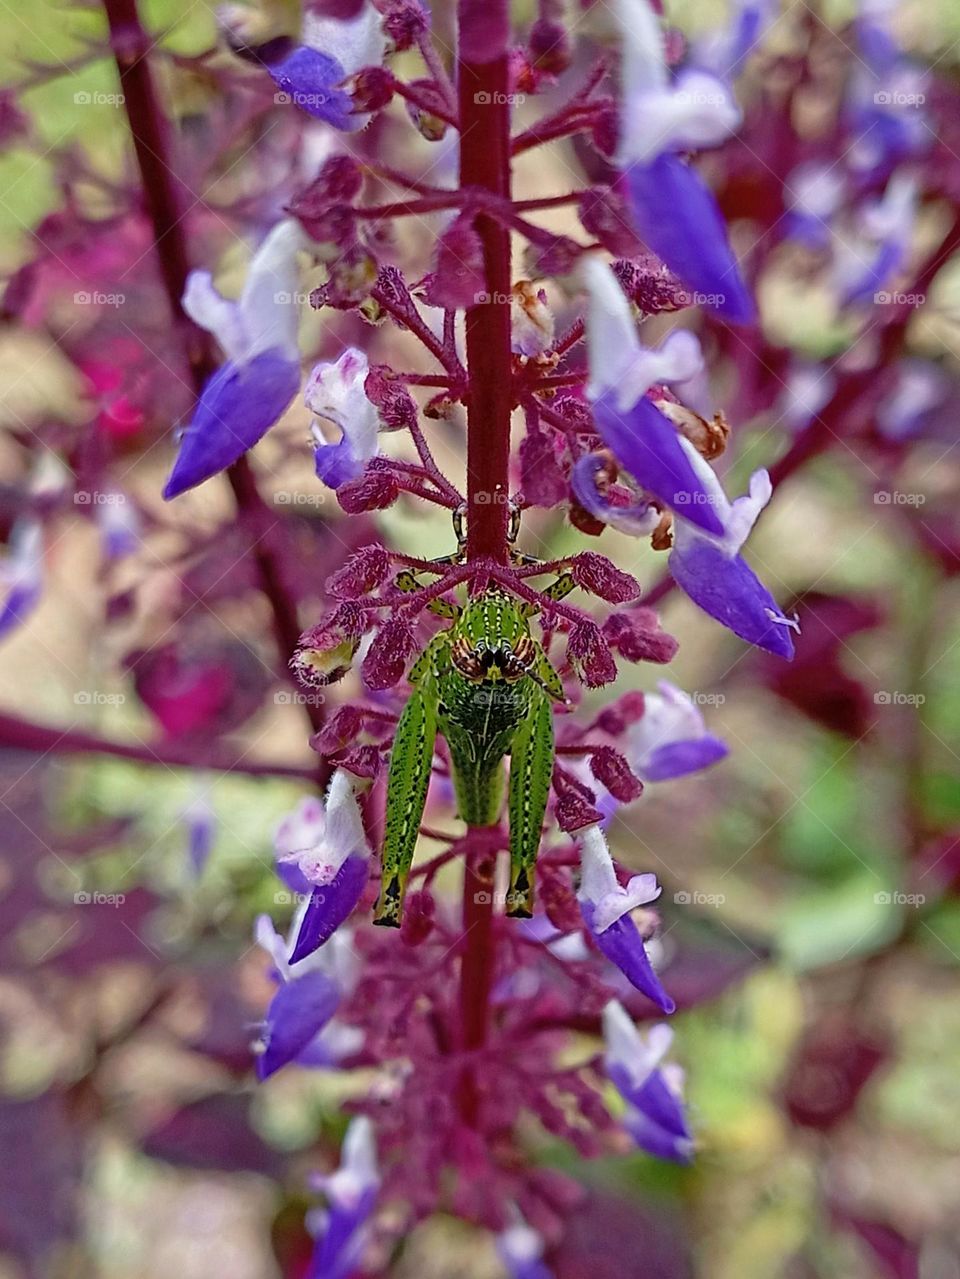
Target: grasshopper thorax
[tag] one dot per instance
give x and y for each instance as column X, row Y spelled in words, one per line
column 491, row 641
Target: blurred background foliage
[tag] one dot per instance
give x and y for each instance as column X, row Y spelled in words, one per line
column 825, row 1086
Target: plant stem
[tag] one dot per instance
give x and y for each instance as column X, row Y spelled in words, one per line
column 483, row 86
column 167, row 209
column 485, row 163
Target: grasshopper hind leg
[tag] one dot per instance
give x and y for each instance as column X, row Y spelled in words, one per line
column 531, row 768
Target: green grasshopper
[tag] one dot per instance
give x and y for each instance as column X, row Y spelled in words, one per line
column 487, row 686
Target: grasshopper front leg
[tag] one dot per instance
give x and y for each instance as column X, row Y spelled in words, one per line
column 410, row 763
column 531, row 767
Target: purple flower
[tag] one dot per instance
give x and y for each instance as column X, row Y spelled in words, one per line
column 670, row 739
column 711, row 571
column 724, row 49
column 258, row 333
column 863, row 269
column 22, row 574
column 653, row 1091
column 520, row 1248
column 673, row 210
column 201, row 832
column 644, row 441
column 638, row 519
column 322, row 849
column 298, row 1026
column 606, row 908
column 331, row 51
column 335, row 394
column 351, row 1191
column 919, row 387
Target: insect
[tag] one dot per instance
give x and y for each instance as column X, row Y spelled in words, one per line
column 487, row 686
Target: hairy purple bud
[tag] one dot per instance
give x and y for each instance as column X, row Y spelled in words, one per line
column 636, row 635
column 550, row 46
column 574, row 803
column 394, row 403
column 344, row 727
column 459, row 275
column 364, row 570
column 590, row 655
column 375, row 490
column 611, row 769
column 387, row 657
column 625, row 711
column 595, row 573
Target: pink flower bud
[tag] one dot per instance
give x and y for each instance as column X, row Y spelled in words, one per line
column 364, row 570
column 375, row 490
column 624, row 712
column 590, row 655
column 573, row 804
column 394, row 403
column 604, row 213
column 595, row 573
column 345, row 726
column 611, row 768
column 363, row 761
column 636, row 635
column 404, row 22
column 541, row 475
column 549, row 46
column 459, row 276
column 387, row 657
column 372, row 89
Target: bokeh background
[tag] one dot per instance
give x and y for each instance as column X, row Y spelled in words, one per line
column 810, row 878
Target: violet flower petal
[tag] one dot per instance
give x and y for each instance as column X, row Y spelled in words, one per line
column 297, row 1013
column 622, row 944
column 679, row 219
column 729, row 590
column 337, row 1252
column 676, row 759
column 648, row 446
column 310, row 77
column 330, row 904
column 238, row 406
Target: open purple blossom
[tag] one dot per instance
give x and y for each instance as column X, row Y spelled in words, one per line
column 670, row 739
column 520, row 1248
column 643, row 440
column 351, row 1192
column 865, row 268
column 637, row 518
column 712, row 572
column 331, row 50
column 335, row 395
column 21, row 574
column 322, row 850
column 605, row 906
column 652, row 1090
column 674, row 212
column 258, row 333
column 299, row 1026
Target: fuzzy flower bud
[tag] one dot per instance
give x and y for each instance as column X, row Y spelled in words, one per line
column 595, row 573
column 375, row 490
column 574, row 803
column 387, row 657
column 364, row 570
column 459, row 276
column 590, row 655
column 636, row 635
column 611, row 769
